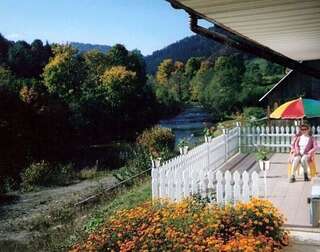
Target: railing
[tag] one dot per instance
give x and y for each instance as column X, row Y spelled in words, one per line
column 189, row 174
column 276, row 139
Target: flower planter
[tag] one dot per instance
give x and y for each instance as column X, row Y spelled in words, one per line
column 185, row 149
column 207, row 139
column 157, row 162
column 264, row 165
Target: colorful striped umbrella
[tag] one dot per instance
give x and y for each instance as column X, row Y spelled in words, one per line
column 297, row 109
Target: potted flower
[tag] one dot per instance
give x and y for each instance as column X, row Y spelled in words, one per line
column 264, row 164
column 262, row 157
column 183, row 146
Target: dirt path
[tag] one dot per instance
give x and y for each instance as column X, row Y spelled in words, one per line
column 14, row 216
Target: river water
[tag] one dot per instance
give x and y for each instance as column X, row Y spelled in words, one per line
column 189, row 124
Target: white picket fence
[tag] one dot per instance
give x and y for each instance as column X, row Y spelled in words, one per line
column 277, row 139
column 214, row 185
column 197, row 172
column 193, row 172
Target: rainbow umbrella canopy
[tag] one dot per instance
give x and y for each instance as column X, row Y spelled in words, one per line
column 297, row 109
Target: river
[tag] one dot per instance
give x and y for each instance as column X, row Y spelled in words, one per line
column 189, row 124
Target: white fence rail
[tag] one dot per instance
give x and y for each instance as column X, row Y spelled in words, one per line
column 277, row 139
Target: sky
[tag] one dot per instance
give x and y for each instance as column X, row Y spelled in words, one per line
column 147, row 25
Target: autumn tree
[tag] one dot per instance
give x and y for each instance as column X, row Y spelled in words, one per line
column 200, row 81
column 65, row 73
column 96, row 63
column 118, row 84
column 165, row 69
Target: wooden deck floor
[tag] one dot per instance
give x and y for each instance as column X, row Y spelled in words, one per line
column 289, row 198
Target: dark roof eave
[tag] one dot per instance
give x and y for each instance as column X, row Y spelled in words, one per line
column 244, row 43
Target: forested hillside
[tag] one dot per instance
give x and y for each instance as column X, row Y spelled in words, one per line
column 223, row 85
column 193, row 46
column 84, row 47
column 182, row 50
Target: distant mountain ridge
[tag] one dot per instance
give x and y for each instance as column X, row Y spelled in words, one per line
column 182, row 50
column 84, row 47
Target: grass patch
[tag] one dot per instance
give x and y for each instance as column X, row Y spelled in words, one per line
column 131, row 198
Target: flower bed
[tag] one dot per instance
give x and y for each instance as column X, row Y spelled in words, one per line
column 191, row 225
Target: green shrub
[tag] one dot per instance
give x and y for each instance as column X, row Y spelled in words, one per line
column 157, row 141
column 139, row 162
column 7, row 185
column 45, row 174
column 63, row 174
column 88, row 173
column 252, row 113
column 35, row 175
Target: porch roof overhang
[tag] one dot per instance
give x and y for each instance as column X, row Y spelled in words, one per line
column 287, row 28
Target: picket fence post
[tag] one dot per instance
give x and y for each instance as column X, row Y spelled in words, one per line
column 155, row 183
column 245, row 187
column 255, row 184
column 228, row 187
column 219, row 188
column 237, row 187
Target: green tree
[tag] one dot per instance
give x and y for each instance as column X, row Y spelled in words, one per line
column 118, row 55
column 200, row 81
column 20, row 59
column 6, row 76
column 4, row 47
column 40, row 56
column 251, row 86
column 96, row 63
column 192, row 66
column 221, row 95
column 179, row 83
column 137, row 64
